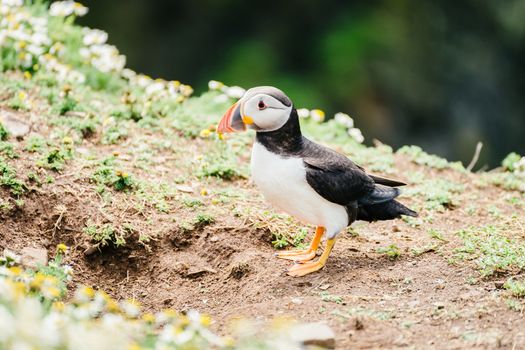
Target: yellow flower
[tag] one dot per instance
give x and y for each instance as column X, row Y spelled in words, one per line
column 27, row 75
column 118, row 173
column 22, row 95
column 113, row 306
column 205, row 320
column 221, row 136
column 58, row 306
column 205, row 133
column 204, row 191
column 62, row 248
column 228, row 341
column 135, row 346
column 15, row 270
column 148, row 317
column 38, row 280
column 67, row 140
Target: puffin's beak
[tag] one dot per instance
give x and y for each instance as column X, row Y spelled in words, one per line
column 232, row 120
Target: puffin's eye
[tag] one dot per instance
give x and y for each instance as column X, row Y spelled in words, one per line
column 261, row 105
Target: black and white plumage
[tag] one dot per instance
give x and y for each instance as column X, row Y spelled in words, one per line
column 309, row 181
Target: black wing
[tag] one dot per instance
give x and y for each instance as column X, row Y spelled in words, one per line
column 339, row 180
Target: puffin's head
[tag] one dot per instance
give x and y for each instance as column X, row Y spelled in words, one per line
column 262, row 108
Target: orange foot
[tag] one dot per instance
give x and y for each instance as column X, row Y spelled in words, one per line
column 312, row 266
column 306, row 254
column 297, row 255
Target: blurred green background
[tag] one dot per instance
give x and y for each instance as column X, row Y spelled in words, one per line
column 440, row 74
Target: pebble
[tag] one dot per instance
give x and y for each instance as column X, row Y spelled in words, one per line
column 33, row 257
column 314, row 334
column 14, row 126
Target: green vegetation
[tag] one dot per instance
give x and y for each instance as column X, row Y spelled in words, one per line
column 8, row 178
column 418, row 156
column 392, row 251
column 491, row 250
column 3, row 133
column 106, row 234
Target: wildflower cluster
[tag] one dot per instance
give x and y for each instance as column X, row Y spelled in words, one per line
column 514, row 163
column 32, row 315
column 317, row 115
column 34, row 38
column 146, row 92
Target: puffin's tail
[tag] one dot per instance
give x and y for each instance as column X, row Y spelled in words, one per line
column 383, row 211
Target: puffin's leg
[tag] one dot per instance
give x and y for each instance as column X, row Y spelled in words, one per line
column 305, row 254
column 312, row 266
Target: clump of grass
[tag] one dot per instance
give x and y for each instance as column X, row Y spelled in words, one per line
column 7, row 149
column 204, row 219
column 509, row 163
column 67, row 105
column 418, row 156
column 55, row 158
column 439, row 194
column 107, row 176
column 491, row 250
column 392, row 251
column 506, row 180
column 35, row 143
column 105, row 234
column 192, row 202
column 516, row 288
column 114, row 134
column 436, row 234
column 9, row 179
column 4, row 134
column 327, row 297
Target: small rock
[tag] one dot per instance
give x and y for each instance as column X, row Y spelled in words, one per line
column 239, row 270
column 183, row 188
column 198, row 271
column 33, row 257
column 297, row 301
column 499, row 284
column 316, row 334
column 14, row 126
column 324, row 286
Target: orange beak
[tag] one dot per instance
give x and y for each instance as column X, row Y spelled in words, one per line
column 232, row 120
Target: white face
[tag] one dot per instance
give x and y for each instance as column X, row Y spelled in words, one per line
column 265, row 112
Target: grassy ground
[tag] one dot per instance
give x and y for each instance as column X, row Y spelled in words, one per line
column 156, row 206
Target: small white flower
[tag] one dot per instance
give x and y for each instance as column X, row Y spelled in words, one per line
column 215, row 85
column 131, row 308
column 128, row 73
column 94, row 37
column 157, row 86
column 356, row 134
column 317, row 115
column 303, row 113
column 61, row 8
column 80, row 10
column 234, row 91
column 67, row 8
column 12, row 3
column 344, row 119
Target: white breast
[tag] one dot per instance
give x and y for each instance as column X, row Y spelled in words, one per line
column 283, row 183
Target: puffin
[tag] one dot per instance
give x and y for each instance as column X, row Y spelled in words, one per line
column 309, row 181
